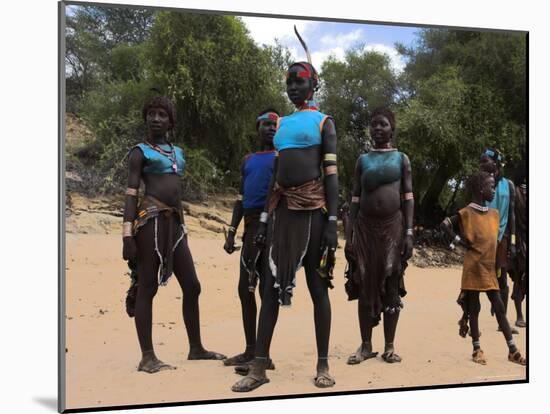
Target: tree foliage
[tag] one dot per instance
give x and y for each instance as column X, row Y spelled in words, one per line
column 208, row 65
column 93, row 33
column 466, row 92
column 460, row 91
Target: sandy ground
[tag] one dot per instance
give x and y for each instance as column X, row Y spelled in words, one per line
column 103, row 352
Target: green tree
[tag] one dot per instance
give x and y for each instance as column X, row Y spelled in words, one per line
column 465, row 91
column 219, row 79
column 96, row 36
column 217, row 76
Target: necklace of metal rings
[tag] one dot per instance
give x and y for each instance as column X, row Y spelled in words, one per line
column 171, row 155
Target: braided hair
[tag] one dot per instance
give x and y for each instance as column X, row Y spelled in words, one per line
column 386, row 112
column 160, row 102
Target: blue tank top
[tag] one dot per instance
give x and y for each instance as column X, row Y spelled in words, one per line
column 379, row 168
column 158, row 163
column 502, row 203
column 301, row 129
column 257, row 172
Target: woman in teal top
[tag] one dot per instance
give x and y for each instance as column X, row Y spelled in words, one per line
column 377, row 251
column 154, row 233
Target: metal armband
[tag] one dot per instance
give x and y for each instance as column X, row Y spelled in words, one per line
column 263, row 217
column 127, row 229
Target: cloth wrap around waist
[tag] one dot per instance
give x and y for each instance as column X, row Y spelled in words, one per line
column 151, row 209
column 250, row 253
column 291, row 212
column 377, row 267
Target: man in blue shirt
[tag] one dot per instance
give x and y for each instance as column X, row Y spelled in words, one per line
column 492, row 161
column 256, row 172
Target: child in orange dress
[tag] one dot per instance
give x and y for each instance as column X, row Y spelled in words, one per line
column 478, row 227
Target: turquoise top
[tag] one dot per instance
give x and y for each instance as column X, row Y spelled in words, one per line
column 379, row 168
column 502, row 203
column 301, row 129
column 158, row 163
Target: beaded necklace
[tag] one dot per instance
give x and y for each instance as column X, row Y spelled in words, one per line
column 477, row 207
column 171, row 155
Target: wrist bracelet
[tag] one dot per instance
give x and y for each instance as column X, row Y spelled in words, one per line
column 513, row 239
column 332, row 218
column 452, row 246
column 127, row 229
column 457, row 239
column 409, row 232
column 232, row 229
column 263, row 217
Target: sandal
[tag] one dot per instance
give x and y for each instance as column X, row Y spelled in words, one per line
column 516, row 358
column 245, row 368
column 239, row 359
column 478, row 357
column 205, row 355
column 324, row 380
column 361, row 355
column 391, row 357
column 249, row 383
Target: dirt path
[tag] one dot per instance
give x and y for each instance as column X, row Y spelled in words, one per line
column 103, row 352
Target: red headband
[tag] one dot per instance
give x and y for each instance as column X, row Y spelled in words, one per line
column 269, row 115
column 305, row 73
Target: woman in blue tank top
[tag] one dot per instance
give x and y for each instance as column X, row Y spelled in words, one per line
column 381, row 218
column 256, row 172
column 302, row 208
column 154, row 233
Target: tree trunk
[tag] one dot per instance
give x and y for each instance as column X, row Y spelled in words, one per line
column 453, row 198
column 430, row 212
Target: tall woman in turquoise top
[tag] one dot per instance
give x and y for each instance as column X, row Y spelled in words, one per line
column 302, row 207
column 154, row 233
column 491, row 161
column 377, row 251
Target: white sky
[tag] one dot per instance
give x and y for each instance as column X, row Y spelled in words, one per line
column 327, row 38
